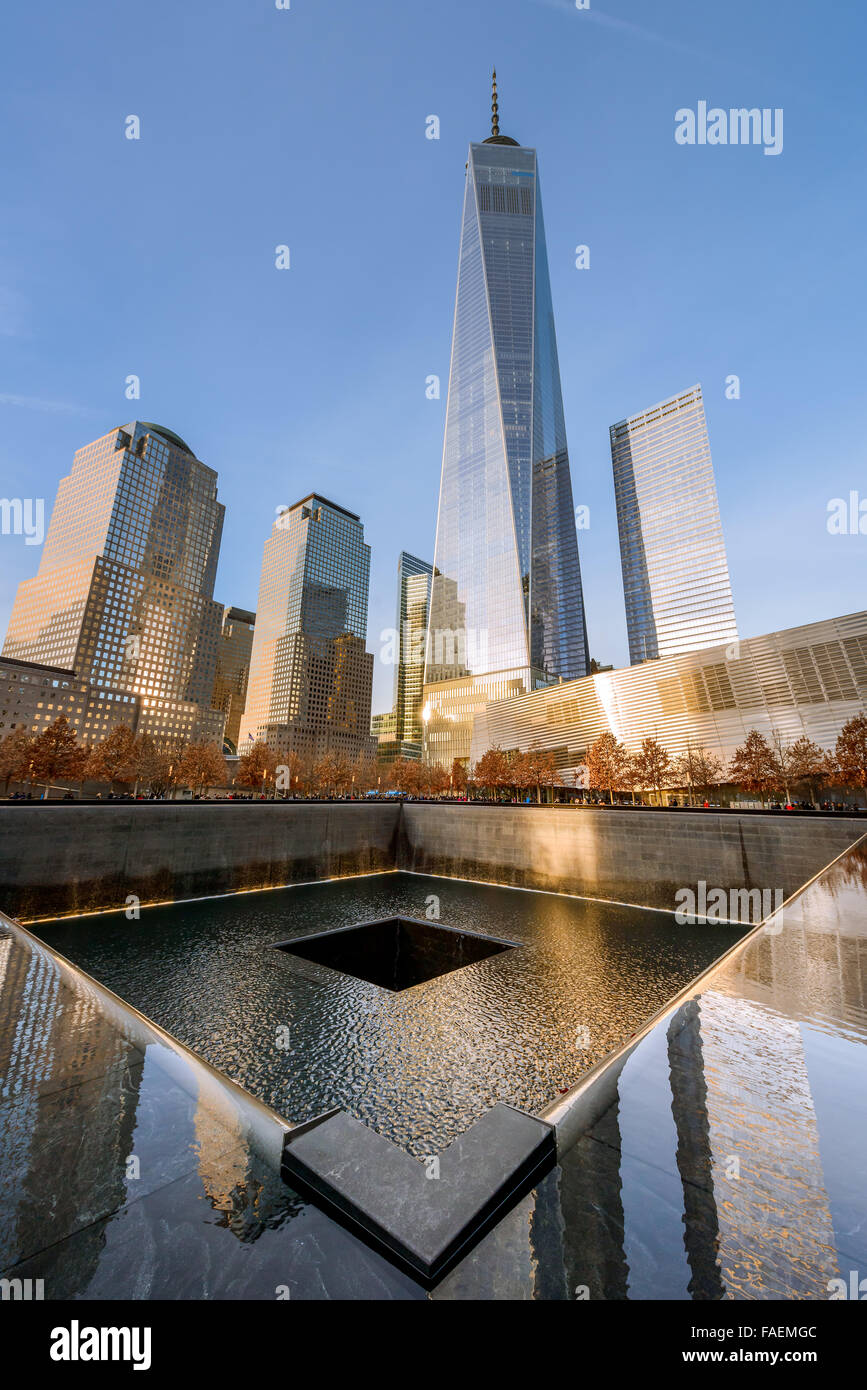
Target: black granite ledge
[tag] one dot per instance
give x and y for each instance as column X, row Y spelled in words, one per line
column 425, row 1216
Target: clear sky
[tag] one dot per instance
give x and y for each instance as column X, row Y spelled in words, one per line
column 306, row 127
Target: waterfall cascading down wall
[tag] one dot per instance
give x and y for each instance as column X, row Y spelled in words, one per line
column 62, row 859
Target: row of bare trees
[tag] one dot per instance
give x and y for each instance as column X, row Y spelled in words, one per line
column 764, row 767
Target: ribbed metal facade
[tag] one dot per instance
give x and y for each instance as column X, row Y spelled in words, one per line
column 675, row 573
column 805, row 680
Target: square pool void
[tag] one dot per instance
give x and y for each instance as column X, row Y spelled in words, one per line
column 395, row 952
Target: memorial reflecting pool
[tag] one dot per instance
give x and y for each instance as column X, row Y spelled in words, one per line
column 420, row 1065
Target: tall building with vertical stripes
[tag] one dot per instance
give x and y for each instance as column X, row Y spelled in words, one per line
column 675, row 573
column 507, row 579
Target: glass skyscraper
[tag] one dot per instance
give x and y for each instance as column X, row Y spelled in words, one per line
column 507, row 609
column 233, row 671
column 675, row 573
column 413, row 607
column 311, row 677
column 399, row 731
column 124, row 593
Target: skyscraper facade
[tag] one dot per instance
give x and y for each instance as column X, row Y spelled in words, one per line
column 311, row 677
column 507, row 608
column 233, row 671
column 413, row 606
column 675, row 573
column 400, row 735
column 124, row 592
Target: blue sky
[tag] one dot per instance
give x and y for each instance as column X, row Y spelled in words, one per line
column 306, row 127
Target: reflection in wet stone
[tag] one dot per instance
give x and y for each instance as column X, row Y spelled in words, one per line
column 729, row 1164
column 694, row 1156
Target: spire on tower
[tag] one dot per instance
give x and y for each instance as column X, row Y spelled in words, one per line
column 495, row 138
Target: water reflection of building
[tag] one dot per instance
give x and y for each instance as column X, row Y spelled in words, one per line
column 91, row 1124
column 71, row 1082
column 728, row 1163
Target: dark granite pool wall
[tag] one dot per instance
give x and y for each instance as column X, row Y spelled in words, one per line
column 59, row 859
column 639, row 857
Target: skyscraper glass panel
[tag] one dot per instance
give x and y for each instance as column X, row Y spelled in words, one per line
column 413, row 602
column 675, row 573
column 124, row 592
column 506, row 594
column 311, row 677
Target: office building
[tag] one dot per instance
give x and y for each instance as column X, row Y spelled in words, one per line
column 233, row 671
column 507, row 608
column 311, row 676
column 124, row 593
column 675, row 573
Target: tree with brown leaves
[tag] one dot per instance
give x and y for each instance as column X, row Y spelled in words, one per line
column 459, row 776
column 15, row 757
column 492, row 771
column 606, row 761
column 113, row 760
column 56, row 753
column 202, row 765
column 257, row 767
column 654, row 766
column 753, row 767
column 850, row 754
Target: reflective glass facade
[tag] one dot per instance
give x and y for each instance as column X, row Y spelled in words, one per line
column 675, row 573
column 507, row 595
column 506, row 563
column 310, row 676
column 413, row 604
column 124, row 592
column 233, row 671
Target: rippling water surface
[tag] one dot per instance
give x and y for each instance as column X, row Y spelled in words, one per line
column 418, row 1066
